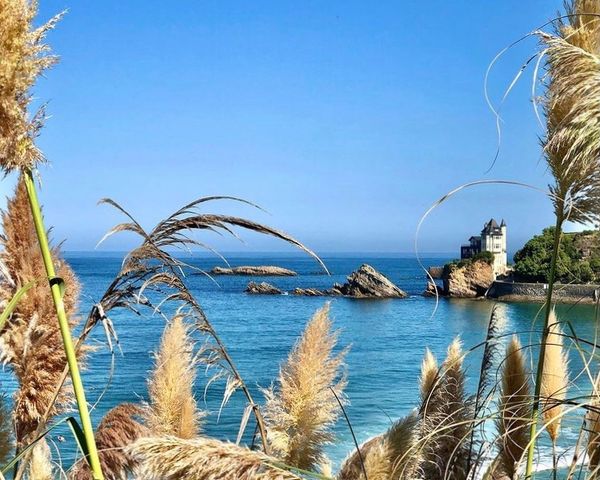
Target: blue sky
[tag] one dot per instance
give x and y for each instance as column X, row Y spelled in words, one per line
column 345, row 120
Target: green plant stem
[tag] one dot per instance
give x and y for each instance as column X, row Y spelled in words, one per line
column 57, row 297
column 535, row 411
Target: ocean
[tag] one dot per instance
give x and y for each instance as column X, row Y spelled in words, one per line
column 387, row 339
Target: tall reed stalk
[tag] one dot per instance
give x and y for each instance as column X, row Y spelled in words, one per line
column 23, row 58
column 571, row 145
column 57, row 289
column 535, row 410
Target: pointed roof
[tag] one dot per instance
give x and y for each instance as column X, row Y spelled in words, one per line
column 503, row 224
column 491, row 227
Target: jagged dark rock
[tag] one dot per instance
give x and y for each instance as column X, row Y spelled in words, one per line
column 433, row 290
column 367, row 282
column 262, row 288
column 254, row 271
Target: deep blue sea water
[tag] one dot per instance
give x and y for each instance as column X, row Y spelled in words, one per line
column 387, row 337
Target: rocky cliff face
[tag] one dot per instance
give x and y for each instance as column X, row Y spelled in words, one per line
column 467, row 281
column 255, row 271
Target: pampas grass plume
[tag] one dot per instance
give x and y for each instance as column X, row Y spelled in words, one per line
column 172, row 408
column 514, row 408
column 555, row 378
column 301, row 409
column 170, row 458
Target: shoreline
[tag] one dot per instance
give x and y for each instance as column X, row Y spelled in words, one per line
column 536, row 292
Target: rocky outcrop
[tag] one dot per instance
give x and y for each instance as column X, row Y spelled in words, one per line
column 262, row 288
column 433, row 290
column 254, row 271
column 435, row 272
column 467, row 279
column 311, row 292
column 366, row 282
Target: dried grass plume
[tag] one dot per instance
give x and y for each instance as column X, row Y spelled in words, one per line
column 172, row 408
column 514, row 408
column 30, row 341
column 118, row 430
column 23, row 58
column 555, row 378
column 301, row 409
column 170, row 458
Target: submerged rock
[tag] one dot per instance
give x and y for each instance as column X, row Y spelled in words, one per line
column 262, row 288
column 255, row 271
column 310, row 292
column 468, row 280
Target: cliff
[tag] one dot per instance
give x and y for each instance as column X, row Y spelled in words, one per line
column 467, row 279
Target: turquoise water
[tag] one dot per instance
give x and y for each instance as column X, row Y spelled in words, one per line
column 387, row 337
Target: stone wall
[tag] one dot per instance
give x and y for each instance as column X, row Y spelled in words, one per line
column 527, row 292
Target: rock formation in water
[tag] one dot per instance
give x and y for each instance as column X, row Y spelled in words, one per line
column 436, row 272
column 254, row 271
column 262, row 288
column 366, row 282
column 433, row 290
column 467, row 279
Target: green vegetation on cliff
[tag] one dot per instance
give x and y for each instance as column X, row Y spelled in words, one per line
column 578, row 258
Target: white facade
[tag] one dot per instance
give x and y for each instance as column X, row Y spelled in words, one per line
column 493, row 239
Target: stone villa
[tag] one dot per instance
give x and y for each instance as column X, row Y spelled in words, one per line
column 492, row 239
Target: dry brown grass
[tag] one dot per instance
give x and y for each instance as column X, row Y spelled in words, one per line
column 30, row 341
column 23, row 57
column 593, row 428
column 393, row 454
column 172, row 409
column 301, row 409
column 117, row 430
column 572, row 104
column 377, row 458
column 170, row 458
column 514, row 409
column 429, row 377
column 583, row 25
column 555, row 378
column 447, row 421
column 40, row 463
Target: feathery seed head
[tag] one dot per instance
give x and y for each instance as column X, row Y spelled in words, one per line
column 301, row 409
column 23, row 58
column 572, row 106
column 117, row 430
column 514, row 407
column 555, row 378
column 429, row 375
column 170, row 458
column 30, row 341
column 172, row 409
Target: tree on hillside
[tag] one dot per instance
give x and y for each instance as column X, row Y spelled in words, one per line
column 532, row 262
